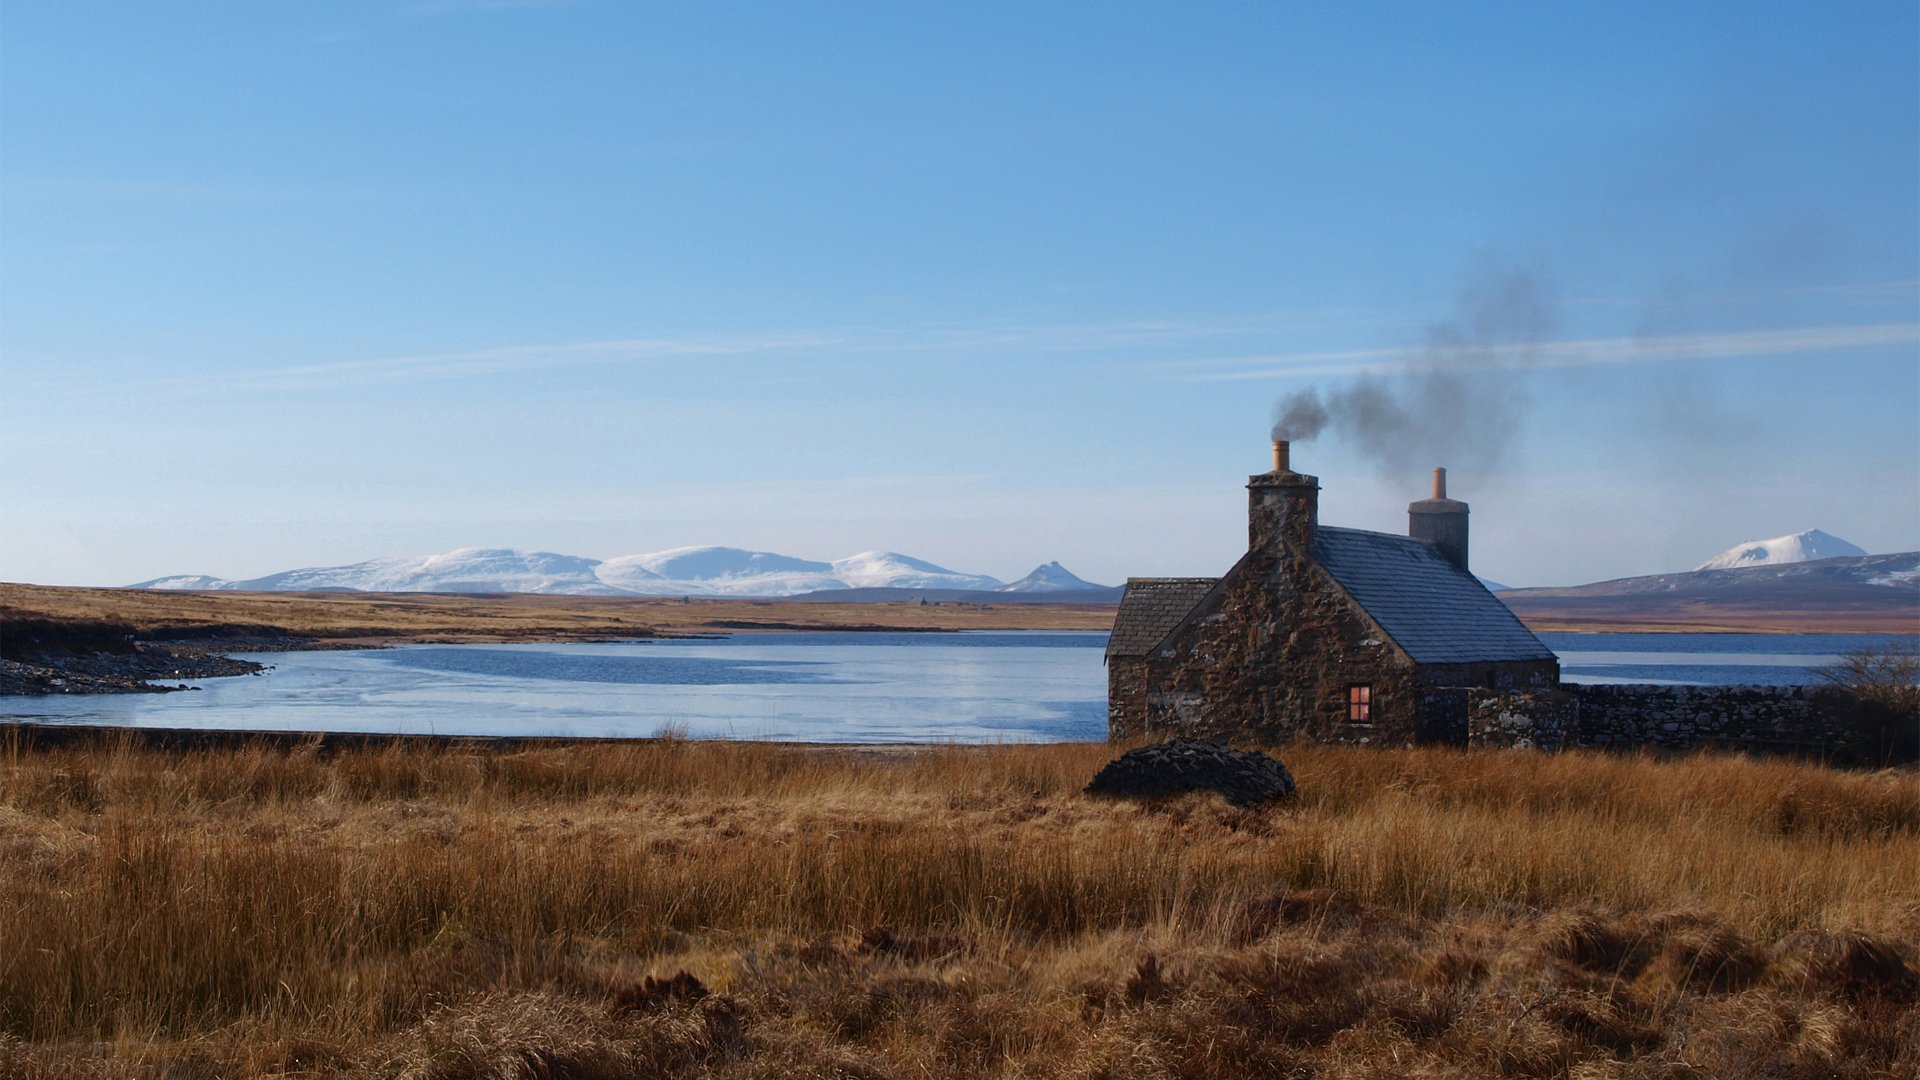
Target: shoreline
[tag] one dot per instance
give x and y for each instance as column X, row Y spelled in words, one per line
column 138, row 672
column 63, row 639
column 36, row 735
column 66, row 640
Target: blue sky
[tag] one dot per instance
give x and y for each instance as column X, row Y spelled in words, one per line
column 290, row 285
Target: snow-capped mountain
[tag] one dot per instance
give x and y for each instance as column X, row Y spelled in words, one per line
column 183, row 581
column 715, row 571
column 889, row 569
column 724, row 571
column 467, row 570
column 1051, row 577
column 690, row 571
column 1879, row 592
column 1799, row 547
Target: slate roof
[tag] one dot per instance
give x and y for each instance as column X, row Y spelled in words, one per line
column 1436, row 611
column 1150, row 609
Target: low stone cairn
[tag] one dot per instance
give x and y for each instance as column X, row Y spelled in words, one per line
column 1173, row 768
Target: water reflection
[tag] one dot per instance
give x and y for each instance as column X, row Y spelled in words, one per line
column 826, row 687
column 830, row 687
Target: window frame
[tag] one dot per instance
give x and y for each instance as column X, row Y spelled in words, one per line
column 1360, row 703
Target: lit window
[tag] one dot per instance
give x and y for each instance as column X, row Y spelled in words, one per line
column 1359, row 704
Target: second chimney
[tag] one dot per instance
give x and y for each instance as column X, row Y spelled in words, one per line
column 1441, row 521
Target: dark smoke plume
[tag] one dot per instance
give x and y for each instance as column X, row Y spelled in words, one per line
column 1299, row 416
column 1461, row 403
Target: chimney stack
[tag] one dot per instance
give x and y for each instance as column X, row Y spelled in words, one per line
column 1283, row 508
column 1441, row 521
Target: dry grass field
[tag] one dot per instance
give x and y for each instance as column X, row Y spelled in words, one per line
column 687, row 909
column 1637, row 615
column 375, row 618
column 349, row 619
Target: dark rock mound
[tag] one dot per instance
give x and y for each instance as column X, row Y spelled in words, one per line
column 1182, row 766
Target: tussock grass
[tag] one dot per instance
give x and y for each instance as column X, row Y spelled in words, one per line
column 447, row 912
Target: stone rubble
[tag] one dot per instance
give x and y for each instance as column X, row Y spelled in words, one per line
column 1165, row 769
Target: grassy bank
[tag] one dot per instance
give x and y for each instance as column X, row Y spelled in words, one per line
column 435, row 912
column 374, row 618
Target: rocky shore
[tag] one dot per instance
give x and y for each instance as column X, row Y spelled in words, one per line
column 40, row 656
column 148, row 669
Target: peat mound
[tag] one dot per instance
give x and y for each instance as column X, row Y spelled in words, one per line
column 1176, row 768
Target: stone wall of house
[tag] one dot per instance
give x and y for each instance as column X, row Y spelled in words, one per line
column 1127, row 681
column 1273, row 661
column 1441, row 715
column 1449, row 694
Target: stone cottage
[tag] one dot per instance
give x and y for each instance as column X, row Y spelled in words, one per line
column 1329, row 634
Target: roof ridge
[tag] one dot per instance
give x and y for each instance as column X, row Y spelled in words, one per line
column 1375, row 532
column 1437, row 610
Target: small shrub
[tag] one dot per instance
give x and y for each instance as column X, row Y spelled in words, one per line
column 1881, row 685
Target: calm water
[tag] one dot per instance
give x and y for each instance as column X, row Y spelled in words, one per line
column 1762, row 659
column 828, row 687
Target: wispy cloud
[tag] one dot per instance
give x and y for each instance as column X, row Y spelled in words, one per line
column 1174, row 349
column 1591, row 352
column 949, row 341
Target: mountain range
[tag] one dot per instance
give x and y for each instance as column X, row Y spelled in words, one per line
column 1852, row 593
column 688, row 571
column 1758, row 583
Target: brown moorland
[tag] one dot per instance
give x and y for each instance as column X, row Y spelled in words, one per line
column 356, row 619
column 1899, row 614
column 692, row 909
column 376, row 618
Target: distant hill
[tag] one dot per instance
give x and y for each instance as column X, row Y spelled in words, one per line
column 686, row 571
column 1050, row 578
column 1805, row 546
column 1098, row 594
column 1863, row 592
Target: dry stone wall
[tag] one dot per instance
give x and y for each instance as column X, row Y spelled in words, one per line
column 1791, row 719
column 1757, row 719
column 1547, row 720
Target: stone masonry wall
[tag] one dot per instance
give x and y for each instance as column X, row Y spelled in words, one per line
column 1767, row 719
column 1545, row 720
column 1757, row 719
column 1127, row 716
column 1273, row 663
